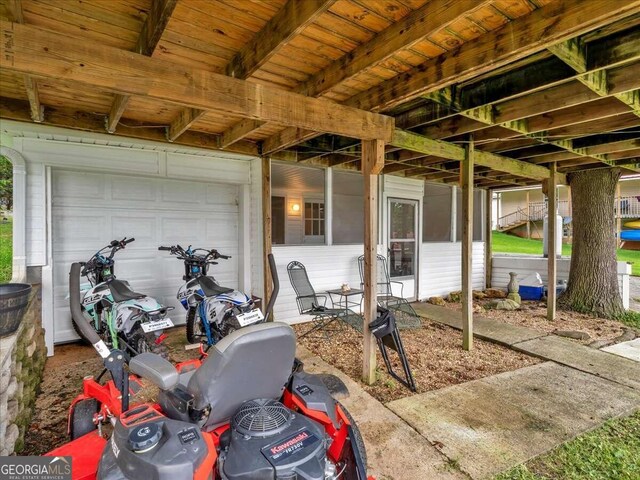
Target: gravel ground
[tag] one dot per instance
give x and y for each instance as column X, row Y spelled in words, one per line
column 534, row 315
column 435, row 356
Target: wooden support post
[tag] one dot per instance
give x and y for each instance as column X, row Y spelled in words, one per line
column 372, row 165
column 266, row 228
column 618, row 215
column 551, row 234
column 488, row 240
column 466, row 182
column 528, row 216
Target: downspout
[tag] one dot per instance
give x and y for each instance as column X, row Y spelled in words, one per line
column 19, row 268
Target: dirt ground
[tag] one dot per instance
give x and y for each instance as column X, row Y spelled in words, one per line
column 62, row 382
column 534, row 315
column 435, row 355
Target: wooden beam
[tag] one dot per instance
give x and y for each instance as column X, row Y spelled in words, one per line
column 152, row 29
column 154, row 26
column 524, row 36
column 18, row 110
column 37, row 110
column 488, row 241
column 290, row 20
column 266, row 228
column 466, row 182
column 438, row 148
column 239, row 131
column 183, row 122
column 35, row 51
column 372, row 164
column 15, row 14
column 551, row 250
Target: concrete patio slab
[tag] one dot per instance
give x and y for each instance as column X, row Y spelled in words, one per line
column 492, row 424
column 630, row 349
column 483, row 328
column 395, row 451
column 572, row 354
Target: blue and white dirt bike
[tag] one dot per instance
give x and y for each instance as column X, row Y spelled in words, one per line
column 213, row 311
column 124, row 319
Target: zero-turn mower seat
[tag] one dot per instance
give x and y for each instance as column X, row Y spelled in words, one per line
column 211, row 288
column 253, row 362
column 120, row 292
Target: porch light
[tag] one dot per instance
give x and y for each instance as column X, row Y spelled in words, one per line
column 295, row 207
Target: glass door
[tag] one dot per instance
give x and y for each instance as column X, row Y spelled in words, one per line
column 402, row 244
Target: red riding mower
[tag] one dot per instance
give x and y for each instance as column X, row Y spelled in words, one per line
column 245, row 411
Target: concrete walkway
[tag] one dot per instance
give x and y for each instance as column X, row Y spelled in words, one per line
column 395, row 451
column 489, row 425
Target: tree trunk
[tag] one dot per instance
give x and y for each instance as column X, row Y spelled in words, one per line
column 593, row 277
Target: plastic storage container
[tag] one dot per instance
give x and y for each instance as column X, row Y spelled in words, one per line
column 531, row 292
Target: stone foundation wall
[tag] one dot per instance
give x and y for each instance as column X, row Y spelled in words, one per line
column 22, row 358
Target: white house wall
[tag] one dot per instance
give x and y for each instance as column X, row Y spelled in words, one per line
column 441, row 268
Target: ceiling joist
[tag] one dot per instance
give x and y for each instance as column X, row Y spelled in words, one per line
column 34, row 51
column 152, row 29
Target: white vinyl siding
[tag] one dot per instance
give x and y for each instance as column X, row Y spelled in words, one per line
column 440, row 271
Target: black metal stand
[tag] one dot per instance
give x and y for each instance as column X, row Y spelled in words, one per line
column 387, row 335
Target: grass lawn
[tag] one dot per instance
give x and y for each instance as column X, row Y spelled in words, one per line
column 609, row 452
column 503, row 243
column 6, row 251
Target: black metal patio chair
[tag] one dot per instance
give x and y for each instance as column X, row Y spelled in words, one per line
column 315, row 305
column 406, row 316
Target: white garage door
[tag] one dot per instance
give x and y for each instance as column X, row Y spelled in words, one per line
column 89, row 210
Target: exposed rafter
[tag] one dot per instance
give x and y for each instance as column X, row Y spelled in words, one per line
column 36, row 51
column 15, row 14
column 290, row 20
column 556, row 22
column 152, row 29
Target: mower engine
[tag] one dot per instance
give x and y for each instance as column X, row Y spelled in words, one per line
column 268, row 441
column 147, row 445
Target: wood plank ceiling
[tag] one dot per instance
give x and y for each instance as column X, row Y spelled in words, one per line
column 538, row 81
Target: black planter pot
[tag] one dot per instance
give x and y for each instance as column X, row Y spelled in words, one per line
column 14, row 298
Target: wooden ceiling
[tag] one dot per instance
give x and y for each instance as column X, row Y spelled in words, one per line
column 534, row 81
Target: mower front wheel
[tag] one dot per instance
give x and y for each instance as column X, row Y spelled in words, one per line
column 357, row 436
column 81, row 421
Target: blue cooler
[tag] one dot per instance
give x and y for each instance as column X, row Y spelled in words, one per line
column 531, row 293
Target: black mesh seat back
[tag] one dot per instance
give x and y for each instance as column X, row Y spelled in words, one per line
column 254, row 362
column 211, row 288
column 120, row 292
column 305, row 294
column 384, row 281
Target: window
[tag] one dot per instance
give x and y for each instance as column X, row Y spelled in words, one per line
column 297, row 204
column 313, row 219
column 348, row 208
column 436, row 213
column 478, row 215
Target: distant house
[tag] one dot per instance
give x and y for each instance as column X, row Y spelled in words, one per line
column 521, row 211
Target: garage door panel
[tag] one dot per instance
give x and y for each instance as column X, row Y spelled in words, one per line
column 133, row 190
column 77, row 186
column 216, row 195
column 76, row 232
column 182, row 193
column 153, row 211
column 142, row 228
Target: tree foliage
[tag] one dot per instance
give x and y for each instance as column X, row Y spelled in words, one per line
column 6, row 183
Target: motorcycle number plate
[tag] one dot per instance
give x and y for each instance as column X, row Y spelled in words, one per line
column 157, row 325
column 248, row 318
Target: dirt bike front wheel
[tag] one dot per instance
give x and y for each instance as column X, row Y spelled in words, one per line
column 194, row 326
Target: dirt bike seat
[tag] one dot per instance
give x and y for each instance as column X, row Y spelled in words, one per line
column 211, row 288
column 120, row 292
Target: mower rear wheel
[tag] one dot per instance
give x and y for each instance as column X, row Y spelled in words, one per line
column 357, row 436
column 82, row 414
